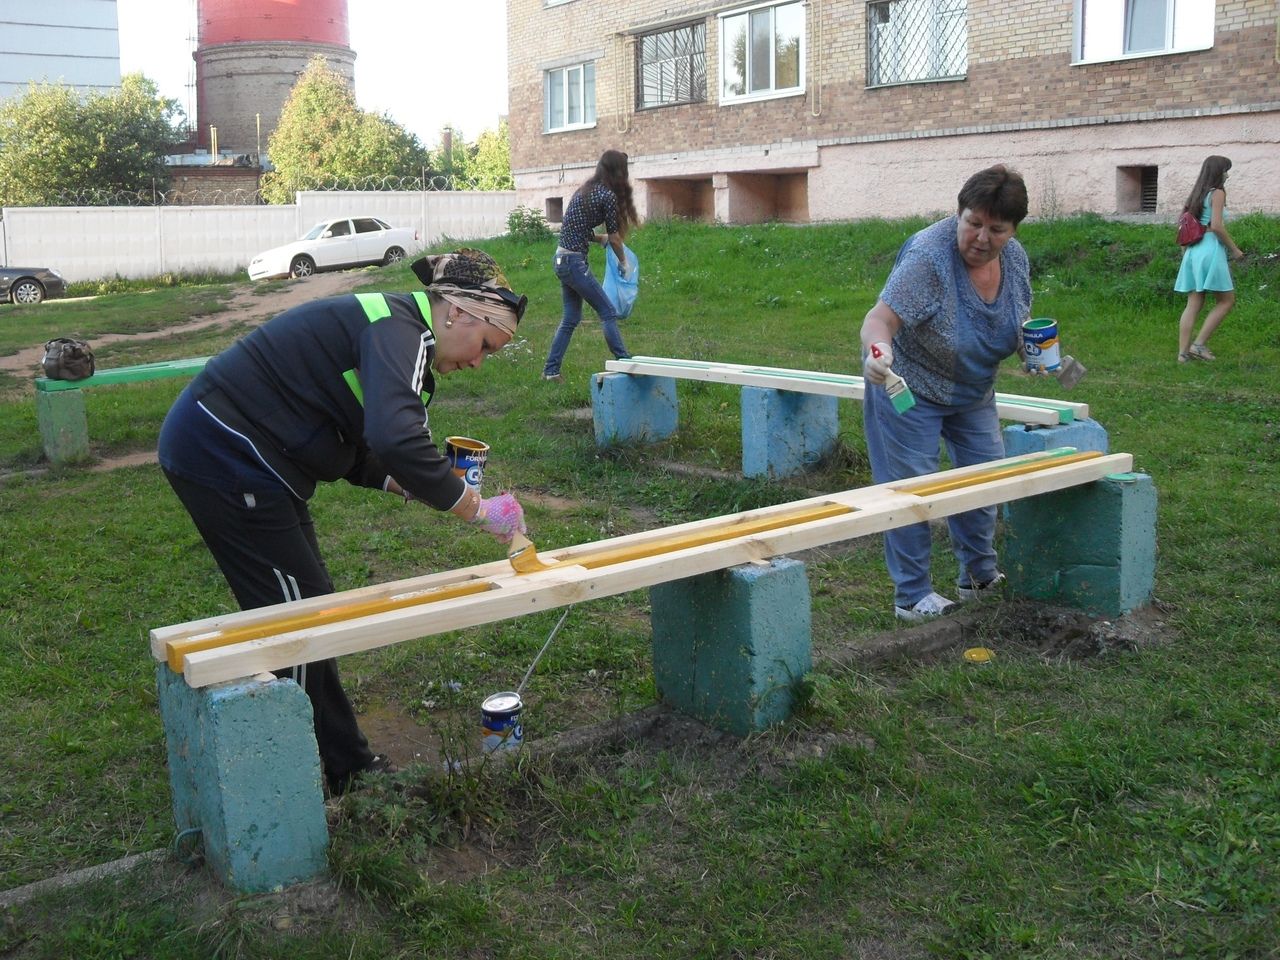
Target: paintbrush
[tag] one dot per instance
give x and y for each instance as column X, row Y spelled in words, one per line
column 900, row 394
column 1070, row 373
column 523, row 555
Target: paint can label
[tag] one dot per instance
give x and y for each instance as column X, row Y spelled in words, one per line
column 468, row 458
column 500, row 722
column 1040, row 340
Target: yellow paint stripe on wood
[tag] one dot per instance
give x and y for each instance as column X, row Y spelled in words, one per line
column 942, row 486
column 740, row 528
column 177, row 649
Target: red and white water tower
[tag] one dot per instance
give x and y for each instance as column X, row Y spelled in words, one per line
column 249, row 54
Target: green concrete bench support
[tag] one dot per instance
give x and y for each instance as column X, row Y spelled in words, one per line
column 245, row 773
column 64, row 428
column 1091, row 547
column 729, row 646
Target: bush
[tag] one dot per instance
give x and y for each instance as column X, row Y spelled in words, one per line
column 528, row 225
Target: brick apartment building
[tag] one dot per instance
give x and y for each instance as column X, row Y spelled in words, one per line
column 811, row 110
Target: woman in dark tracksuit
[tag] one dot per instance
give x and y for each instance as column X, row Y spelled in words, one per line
column 334, row 389
column 603, row 199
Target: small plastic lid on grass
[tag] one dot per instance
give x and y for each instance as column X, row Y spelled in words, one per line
column 979, row 655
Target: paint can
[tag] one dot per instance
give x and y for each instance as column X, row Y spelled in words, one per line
column 500, row 721
column 468, row 458
column 1040, row 340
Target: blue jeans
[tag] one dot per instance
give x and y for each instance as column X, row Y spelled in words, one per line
column 903, row 445
column 577, row 284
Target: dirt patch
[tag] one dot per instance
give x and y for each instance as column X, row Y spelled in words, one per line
column 249, row 305
column 1021, row 627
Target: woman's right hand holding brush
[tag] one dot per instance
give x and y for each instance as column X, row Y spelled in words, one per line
column 875, row 368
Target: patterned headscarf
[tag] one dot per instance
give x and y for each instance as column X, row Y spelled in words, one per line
column 472, row 281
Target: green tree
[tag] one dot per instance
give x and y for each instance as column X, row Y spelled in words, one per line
column 491, row 166
column 55, row 145
column 323, row 138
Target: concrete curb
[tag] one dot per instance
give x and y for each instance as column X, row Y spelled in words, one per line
column 20, row 895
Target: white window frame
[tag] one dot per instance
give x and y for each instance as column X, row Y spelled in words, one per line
column 1101, row 30
column 773, row 93
column 565, row 73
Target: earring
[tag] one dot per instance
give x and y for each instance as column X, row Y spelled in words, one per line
column 448, row 323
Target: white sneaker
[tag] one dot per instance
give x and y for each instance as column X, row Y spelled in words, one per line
column 980, row 591
column 934, row 605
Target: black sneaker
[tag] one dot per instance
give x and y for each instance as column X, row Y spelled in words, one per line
column 340, row 783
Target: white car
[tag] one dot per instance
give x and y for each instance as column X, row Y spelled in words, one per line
column 345, row 242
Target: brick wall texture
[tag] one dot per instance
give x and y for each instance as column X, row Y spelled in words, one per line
column 239, row 81
column 1019, row 76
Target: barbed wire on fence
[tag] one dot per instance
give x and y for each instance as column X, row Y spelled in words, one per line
column 203, row 195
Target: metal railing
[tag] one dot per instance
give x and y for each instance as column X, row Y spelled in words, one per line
column 909, row 41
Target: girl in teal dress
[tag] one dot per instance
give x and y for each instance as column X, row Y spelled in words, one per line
column 1204, row 263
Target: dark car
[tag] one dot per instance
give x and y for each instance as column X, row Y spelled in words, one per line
column 30, row 284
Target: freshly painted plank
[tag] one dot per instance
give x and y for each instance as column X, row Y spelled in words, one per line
column 873, row 510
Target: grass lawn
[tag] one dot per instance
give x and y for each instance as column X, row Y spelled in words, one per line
column 1125, row 805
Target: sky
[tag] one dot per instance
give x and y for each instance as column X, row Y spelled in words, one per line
column 425, row 63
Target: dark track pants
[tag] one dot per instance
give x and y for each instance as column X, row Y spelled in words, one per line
column 265, row 545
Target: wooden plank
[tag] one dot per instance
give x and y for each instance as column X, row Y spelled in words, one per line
column 1013, row 470
column 134, row 374
column 344, row 609
column 875, row 509
column 1033, row 410
column 500, row 569
column 290, row 618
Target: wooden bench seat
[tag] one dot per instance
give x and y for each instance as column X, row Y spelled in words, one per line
column 1029, row 410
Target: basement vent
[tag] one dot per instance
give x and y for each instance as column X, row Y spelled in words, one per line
column 1137, row 189
column 1150, row 182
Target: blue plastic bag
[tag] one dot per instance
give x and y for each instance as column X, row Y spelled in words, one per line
column 621, row 290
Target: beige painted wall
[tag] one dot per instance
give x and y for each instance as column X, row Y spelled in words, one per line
column 1067, row 171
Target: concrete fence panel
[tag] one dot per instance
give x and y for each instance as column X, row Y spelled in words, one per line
column 91, row 243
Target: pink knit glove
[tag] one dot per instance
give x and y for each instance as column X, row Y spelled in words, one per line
column 501, row 516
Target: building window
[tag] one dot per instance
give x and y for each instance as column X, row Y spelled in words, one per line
column 671, row 67
column 1148, row 26
column 1115, row 29
column 911, row 41
column 570, row 97
column 762, row 52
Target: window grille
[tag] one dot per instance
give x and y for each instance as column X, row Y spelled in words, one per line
column 909, row 41
column 671, row 67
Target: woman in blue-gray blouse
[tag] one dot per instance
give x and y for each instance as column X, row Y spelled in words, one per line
column 1204, row 263
column 603, row 199
column 950, row 312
